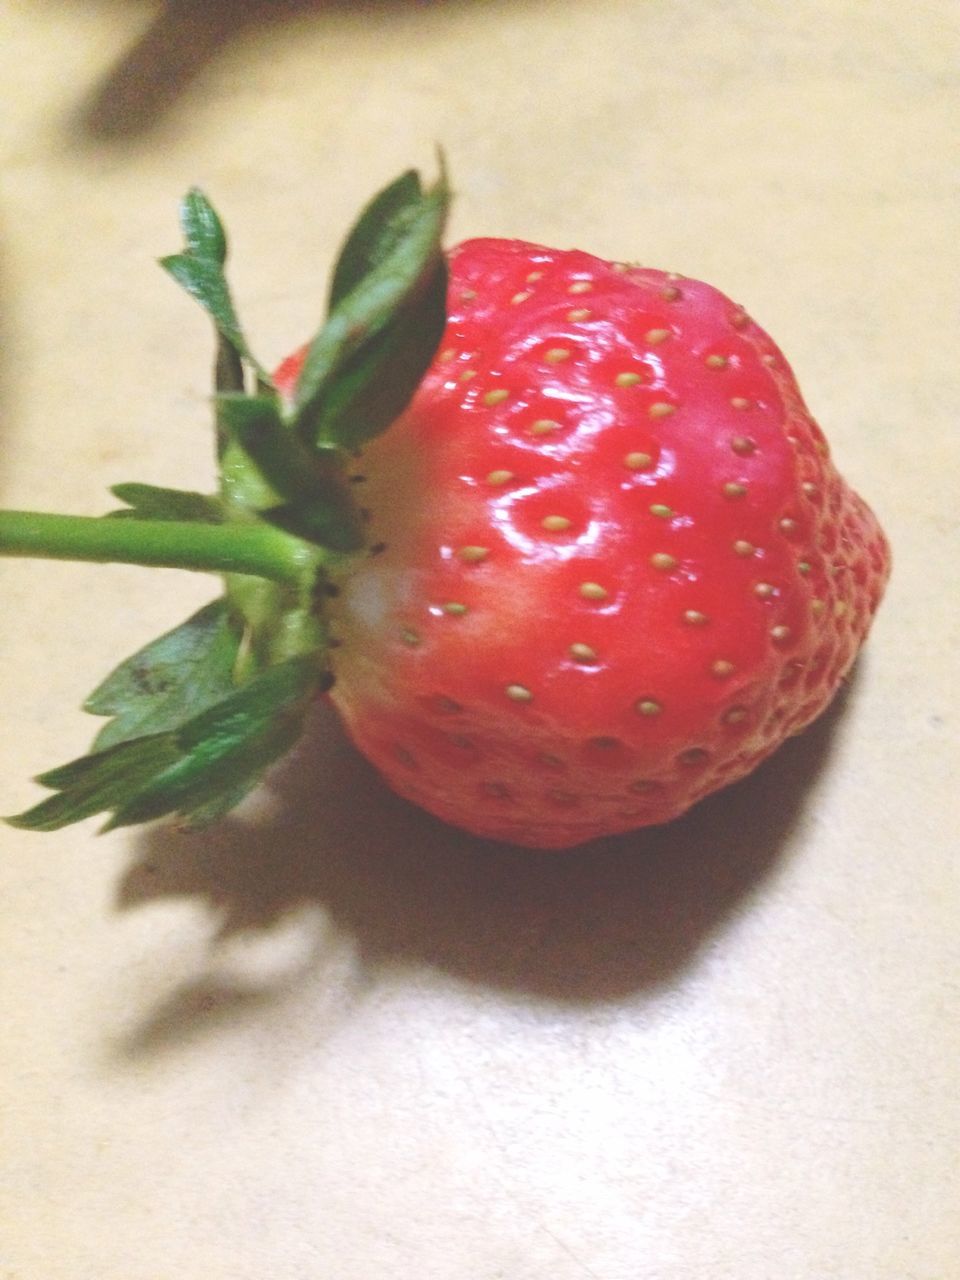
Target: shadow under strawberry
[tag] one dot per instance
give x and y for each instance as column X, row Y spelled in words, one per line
column 616, row 917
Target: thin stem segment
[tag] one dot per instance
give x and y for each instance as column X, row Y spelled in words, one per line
column 256, row 549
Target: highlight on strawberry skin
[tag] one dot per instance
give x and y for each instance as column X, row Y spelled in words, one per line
column 557, row 537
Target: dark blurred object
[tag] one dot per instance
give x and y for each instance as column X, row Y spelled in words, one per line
column 182, row 39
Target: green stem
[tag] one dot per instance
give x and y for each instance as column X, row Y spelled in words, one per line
column 255, row 549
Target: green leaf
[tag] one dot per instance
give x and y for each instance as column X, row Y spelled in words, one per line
column 375, row 233
column 204, row 280
column 176, row 676
column 317, row 503
column 228, row 368
column 202, row 228
column 225, row 750
column 97, row 783
column 199, row 270
column 378, row 383
column 398, row 280
column 199, row 769
column 150, row 502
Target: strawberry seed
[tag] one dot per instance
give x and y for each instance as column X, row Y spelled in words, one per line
column 663, row 561
column 496, row 397
column 582, row 652
column 518, row 693
column 473, row 555
column 637, row 461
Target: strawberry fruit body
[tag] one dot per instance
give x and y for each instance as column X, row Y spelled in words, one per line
column 614, row 566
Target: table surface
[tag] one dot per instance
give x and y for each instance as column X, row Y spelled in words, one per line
column 332, row 1037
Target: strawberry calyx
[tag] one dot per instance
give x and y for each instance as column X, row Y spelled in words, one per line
column 196, row 716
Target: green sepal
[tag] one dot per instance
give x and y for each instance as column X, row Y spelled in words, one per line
column 316, row 500
column 375, row 233
column 179, row 674
column 376, row 385
column 97, row 783
column 225, row 750
column 151, row 502
column 228, row 374
column 401, row 270
column 202, row 229
column 205, row 281
column 199, row 270
column 198, row 770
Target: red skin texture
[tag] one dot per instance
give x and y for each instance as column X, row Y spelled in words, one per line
column 702, row 666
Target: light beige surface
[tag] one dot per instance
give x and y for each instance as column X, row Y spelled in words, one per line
column 334, row 1039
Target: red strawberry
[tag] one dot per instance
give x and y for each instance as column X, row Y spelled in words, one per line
column 607, row 565
column 618, row 566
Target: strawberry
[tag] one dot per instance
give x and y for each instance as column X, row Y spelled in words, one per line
column 605, row 565
column 618, row 567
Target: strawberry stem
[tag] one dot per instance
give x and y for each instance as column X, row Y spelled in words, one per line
column 256, row 549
